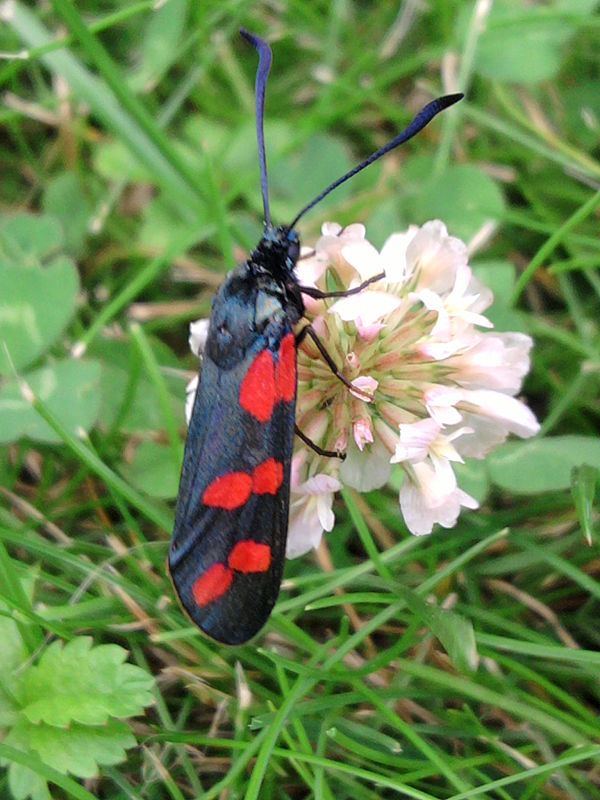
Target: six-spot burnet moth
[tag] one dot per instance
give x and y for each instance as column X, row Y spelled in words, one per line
column 228, row 549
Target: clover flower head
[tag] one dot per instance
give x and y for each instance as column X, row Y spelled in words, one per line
column 436, row 384
column 431, row 383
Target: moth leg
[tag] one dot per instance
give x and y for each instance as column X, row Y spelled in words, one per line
column 318, row 450
column 312, row 291
column 308, row 330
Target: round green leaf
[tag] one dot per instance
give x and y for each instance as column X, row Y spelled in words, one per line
column 70, row 389
column 26, row 239
column 36, row 304
column 153, row 470
column 525, row 43
column 542, row 465
column 298, row 178
column 65, row 200
column 464, row 198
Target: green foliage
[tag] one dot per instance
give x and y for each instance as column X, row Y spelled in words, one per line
column 70, row 389
column 67, row 708
column 38, row 291
column 152, row 471
column 463, row 664
column 524, row 43
column 542, row 465
column 465, row 198
column 66, row 202
column 82, row 684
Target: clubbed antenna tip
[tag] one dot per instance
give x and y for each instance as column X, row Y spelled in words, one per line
column 423, row 118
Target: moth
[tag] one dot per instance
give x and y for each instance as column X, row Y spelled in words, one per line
column 228, row 549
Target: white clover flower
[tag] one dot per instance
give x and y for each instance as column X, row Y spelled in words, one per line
column 439, row 388
column 430, row 387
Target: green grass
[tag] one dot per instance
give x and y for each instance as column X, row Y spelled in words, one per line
column 128, row 131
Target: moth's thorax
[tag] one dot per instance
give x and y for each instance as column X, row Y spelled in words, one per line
column 260, row 299
column 276, row 254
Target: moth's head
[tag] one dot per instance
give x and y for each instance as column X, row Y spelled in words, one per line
column 277, row 252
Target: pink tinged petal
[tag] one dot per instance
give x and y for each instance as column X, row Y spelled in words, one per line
column 198, row 336
column 415, row 441
column 354, row 232
column 440, row 351
column 304, row 530
column 316, row 428
column 475, row 319
column 309, row 270
column 433, row 302
column 436, row 256
column 353, row 361
column 368, row 333
column 511, row 413
column 341, row 443
column 482, row 294
column 486, row 434
column 319, row 484
column 310, row 513
column 363, row 257
column 393, row 255
column 325, row 512
column 428, row 497
column 366, row 470
column 440, row 402
column 366, row 387
column 368, row 306
column 331, row 229
column 190, row 396
column 498, row 361
column 298, row 462
column 362, row 432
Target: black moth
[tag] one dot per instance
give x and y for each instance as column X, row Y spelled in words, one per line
column 228, row 548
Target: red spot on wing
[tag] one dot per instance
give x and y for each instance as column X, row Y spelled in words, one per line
column 285, row 376
column 212, row 584
column 228, row 491
column 267, row 477
column 257, row 393
column 249, row 556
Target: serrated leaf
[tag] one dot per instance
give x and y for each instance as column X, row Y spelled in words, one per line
column 27, row 239
column 70, row 389
column 542, row 465
column 454, row 631
column 78, row 749
column 36, row 304
column 153, row 470
column 81, row 683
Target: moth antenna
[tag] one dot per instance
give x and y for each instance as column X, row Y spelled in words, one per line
column 265, row 57
column 422, row 119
